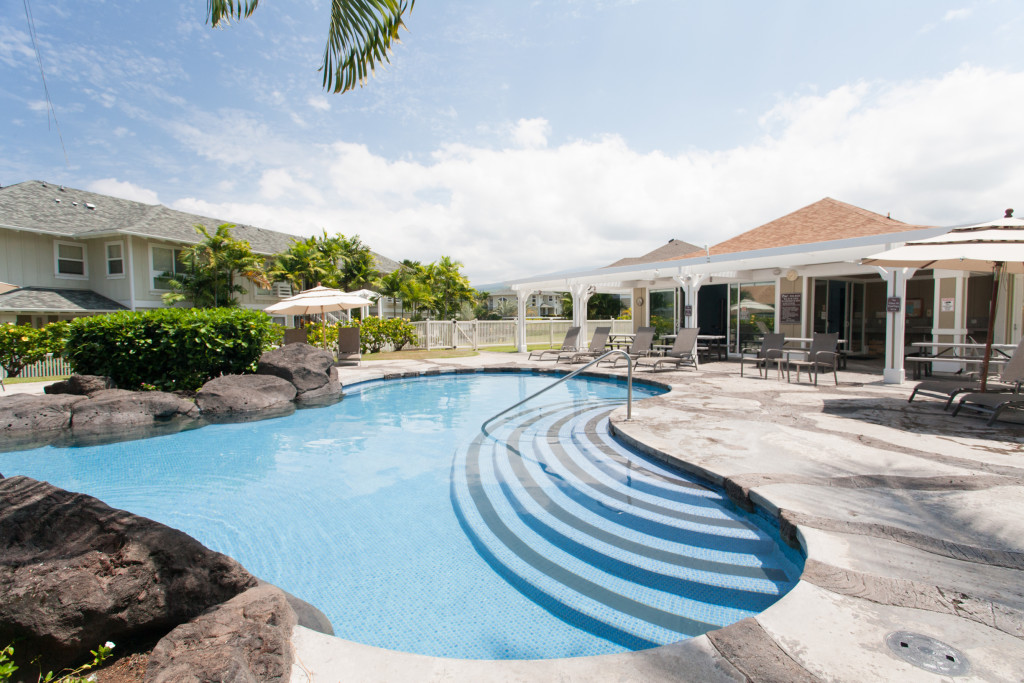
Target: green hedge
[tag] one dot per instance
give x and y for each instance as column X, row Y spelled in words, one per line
column 169, row 348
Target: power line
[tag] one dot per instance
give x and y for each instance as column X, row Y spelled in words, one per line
column 50, row 111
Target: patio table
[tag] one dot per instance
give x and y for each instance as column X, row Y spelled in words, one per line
column 958, row 352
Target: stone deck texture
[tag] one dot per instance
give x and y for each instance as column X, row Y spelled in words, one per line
column 911, row 520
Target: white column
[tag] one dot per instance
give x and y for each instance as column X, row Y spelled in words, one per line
column 806, row 309
column 691, row 288
column 521, row 298
column 895, row 324
column 580, row 297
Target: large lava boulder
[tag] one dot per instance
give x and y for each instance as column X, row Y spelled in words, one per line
column 75, row 573
column 80, row 385
column 113, row 410
column 230, row 394
column 245, row 639
column 309, row 369
column 25, row 414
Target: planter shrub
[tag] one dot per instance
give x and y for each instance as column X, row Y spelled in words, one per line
column 170, row 348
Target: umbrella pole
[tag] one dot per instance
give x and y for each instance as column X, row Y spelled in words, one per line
column 991, row 326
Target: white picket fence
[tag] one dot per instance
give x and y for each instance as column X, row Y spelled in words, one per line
column 475, row 334
column 48, row 367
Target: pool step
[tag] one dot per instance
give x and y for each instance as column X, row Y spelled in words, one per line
column 605, row 538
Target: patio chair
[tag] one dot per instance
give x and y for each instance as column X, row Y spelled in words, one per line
column 640, row 347
column 296, row 335
column 1010, row 378
column 570, row 343
column 991, row 403
column 770, row 353
column 596, row 348
column 348, row 346
column 823, row 355
column 683, row 352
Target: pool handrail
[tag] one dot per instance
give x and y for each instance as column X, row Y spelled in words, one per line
column 629, row 385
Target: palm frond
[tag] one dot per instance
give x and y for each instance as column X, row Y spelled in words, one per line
column 225, row 10
column 360, row 38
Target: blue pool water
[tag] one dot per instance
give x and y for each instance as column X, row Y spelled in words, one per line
column 412, row 530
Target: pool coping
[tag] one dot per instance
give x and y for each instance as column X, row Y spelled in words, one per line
column 835, row 589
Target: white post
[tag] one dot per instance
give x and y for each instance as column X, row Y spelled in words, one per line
column 521, row 299
column 580, row 296
column 691, row 287
column 895, row 324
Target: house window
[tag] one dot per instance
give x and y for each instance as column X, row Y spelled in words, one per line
column 165, row 263
column 69, row 260
column 115, row 259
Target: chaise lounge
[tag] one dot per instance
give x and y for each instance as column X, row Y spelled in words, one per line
column 570, row 343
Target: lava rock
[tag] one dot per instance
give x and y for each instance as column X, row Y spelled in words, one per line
column 117, row 409
column 80, row 385
column 23, row 414
column 75, row 573
column 245, row 639
column 308, row 368
column 244, row 393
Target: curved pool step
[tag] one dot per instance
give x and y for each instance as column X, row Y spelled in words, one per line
column 605, row 538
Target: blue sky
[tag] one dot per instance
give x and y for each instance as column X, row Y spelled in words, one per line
column 528, row 137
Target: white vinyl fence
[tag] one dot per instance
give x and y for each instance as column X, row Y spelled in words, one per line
column 48, row 367
column 475, row 334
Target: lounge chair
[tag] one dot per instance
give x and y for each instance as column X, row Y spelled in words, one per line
column 640, row 347
column 769, row 353
column 991, row 403
column 296, row 335
column 570, row 343
column 1010, row 378
column 348, row 346
column 596, row 348
column 823, row 355
column 683, row 352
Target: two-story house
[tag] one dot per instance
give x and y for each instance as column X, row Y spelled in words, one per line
column 65, row 253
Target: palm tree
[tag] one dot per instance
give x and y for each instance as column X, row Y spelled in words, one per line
column 391, row 286
column 359, row 36
column 448, row 286
column 211, row 266
column 416, row 294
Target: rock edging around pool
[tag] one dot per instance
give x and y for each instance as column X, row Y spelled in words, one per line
column 76, row 573
column 88, row 409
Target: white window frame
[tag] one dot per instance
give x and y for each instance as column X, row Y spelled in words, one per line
column 56, row 261
column 121, row 258
column 154, row 274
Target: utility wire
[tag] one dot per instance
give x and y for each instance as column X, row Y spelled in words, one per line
column 50, row 111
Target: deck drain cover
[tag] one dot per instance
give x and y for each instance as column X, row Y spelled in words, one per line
column 928, row 653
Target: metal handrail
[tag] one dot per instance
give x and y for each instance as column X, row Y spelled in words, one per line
column 629, row 384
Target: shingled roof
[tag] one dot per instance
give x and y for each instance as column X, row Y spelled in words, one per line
column 822, row 221
column 50, row 300
column 666, row 252
column 54, row 209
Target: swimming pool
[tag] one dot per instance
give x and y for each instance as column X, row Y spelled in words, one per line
column 411, row 530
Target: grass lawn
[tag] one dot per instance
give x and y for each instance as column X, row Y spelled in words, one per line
column 423, row 354
column 420, row 354
column 22, row 380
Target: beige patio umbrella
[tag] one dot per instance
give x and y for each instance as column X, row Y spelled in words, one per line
column 996, row 247
column 320, row 300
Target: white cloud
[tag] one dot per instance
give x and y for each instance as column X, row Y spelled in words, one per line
column 957, row 14
column 531, row 133
column 319, row 102
column 939, row 151
column 123, row 189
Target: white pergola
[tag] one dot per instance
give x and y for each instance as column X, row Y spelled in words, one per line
column 835, row 258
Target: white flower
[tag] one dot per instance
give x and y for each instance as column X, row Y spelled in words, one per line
column 109, row 645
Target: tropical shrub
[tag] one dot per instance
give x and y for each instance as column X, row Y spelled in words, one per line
column 171, row 348
column 375, row 333
column 22, row 345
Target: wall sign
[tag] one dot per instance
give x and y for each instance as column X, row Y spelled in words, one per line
column 947, row 305
column 687, row 311
column 789, row 308
column 893, row 304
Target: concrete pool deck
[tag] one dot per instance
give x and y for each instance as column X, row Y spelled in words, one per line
column 911, row 520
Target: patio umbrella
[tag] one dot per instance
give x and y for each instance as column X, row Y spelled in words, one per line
column 996, row 247
column 320, row 300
